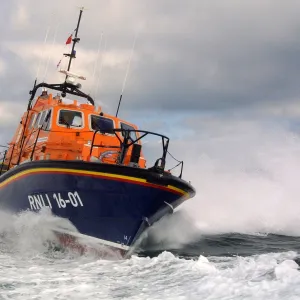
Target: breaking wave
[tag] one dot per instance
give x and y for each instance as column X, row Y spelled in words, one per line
column 247, row 181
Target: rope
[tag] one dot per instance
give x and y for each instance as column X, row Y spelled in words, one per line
column 174, row 157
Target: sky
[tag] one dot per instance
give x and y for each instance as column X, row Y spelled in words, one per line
column 210, row 58
column 220, row 77
column 196, row 65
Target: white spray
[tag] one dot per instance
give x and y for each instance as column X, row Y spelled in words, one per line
column 247, row 181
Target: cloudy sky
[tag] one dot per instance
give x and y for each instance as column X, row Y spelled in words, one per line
column 198, row 66
column 196, row 60
column 220, row 77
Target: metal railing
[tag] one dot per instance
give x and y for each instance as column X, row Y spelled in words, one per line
column 3, row 167
column 128, row 141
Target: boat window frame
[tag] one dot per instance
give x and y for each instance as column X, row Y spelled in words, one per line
column 49, row 121
column 71, row 127
column 42, row 118
column 130, row 125
column 37, row 120
column 97, row 115
column 32, row 120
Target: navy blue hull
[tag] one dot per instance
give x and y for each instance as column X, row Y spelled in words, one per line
column 107, row 205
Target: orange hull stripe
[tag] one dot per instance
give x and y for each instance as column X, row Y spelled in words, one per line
column 123, row 178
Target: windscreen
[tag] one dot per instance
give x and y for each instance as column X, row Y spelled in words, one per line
column 70, row 118
column 132, row 134
column 104, row 125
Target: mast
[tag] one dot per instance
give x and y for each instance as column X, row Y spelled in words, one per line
column 68, row 86
column 75, row 40
column 59, row 87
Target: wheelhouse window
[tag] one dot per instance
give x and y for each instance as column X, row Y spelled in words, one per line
column 104, row 125
column 47, row 120
column 42, row 119
column 70, row 118
column 132, row 134
column 37, row 120
column 31, row 122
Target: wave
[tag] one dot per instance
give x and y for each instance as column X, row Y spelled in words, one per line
column 247, row 181
column 30, row 232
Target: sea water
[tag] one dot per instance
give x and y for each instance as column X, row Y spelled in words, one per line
column 224, row 266
column 237, row 239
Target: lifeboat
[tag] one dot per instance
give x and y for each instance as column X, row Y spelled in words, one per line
column 87, row 166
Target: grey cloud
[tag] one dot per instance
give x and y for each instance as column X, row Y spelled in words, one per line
column 190, row 56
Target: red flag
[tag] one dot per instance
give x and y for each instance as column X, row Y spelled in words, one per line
column 69, row 40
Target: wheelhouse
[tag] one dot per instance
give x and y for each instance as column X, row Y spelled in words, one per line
column 56, row 128
column 60, row 129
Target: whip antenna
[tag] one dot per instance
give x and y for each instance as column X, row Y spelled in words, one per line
column 96, row 64
column 39, row 66
column 101, row 64
column 51, row 50
column 128, row 66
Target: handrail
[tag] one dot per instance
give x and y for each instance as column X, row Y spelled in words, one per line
column 61, row 87
column 180, row 162
column 124, row 137
column 11, row 155
column 128, row 141
column 35, row 142
column 3, row 159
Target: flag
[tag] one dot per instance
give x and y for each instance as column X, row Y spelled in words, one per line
column 69, row 40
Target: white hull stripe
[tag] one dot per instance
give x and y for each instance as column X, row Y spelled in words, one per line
column 86, row 239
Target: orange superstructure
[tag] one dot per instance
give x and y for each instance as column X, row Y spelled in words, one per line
column 57, row 128
column 64, row 124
